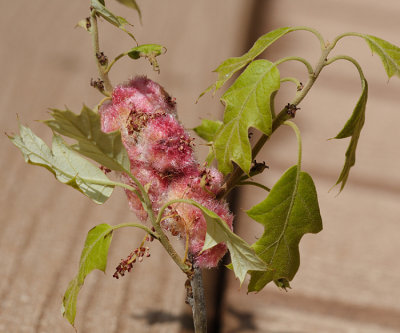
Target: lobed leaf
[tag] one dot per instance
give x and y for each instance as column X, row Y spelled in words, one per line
column 243, row 256
column 67, row 166
column 100, row 9
column 389, row 54
column 104, row 148
column 231, row 65
column 208, row 129
column 132, row 4
column 94, row 256
column 290, row 211
column 353, row 128
column 148, row 51
column 247, row 104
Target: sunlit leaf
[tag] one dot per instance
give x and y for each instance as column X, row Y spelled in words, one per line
column 104, row 148
column 208, row 129
column 67, row 166
column 243, row 256
column 148, row 51
column 231, row 65
column 389, row 54
column 100, row 9
column 94, row 256
column 247, row 104
column 290, row 211
column 132, row 4
column 353, row 128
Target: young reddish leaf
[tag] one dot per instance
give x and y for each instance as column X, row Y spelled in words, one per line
column 231, row 65
column 290, row 211
column 247, row 104
column 94, row 256
column 208, row 129
column 67, row 166
column 353, row 128
column 389, row 54
column 104, row 148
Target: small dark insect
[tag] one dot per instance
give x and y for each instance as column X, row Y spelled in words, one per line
column 104, row 169
column 291, row 109
column 98, row 84
column 258, row 168
column 300, row 87
column 103, row 60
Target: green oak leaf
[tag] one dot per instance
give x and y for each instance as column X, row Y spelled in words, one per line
column 389, row 54
column 353, row 128
column 247, row 104
column 208, row 129
column 132, row 4
column 243, row 256
column 100, row 9
column 231, row 65
column 290, row 211
column 104, row 148
column 148, row 51
column 94, row 256
column 67, row 166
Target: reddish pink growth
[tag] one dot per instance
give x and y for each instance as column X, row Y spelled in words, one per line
column 162, row 158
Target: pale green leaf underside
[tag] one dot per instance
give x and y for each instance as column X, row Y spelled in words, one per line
column 389, row 54
column 353, row 128
column 94, row 256
column 247, row 104
column 243, row 256
column 104, row 148
column 290, row 211
column 231, row 65
column 208, row 129
column 67, row 166
column 107, row 15
column 146, row 50
column 132, row 4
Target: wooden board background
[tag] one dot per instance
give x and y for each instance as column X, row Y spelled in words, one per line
column 349, row 274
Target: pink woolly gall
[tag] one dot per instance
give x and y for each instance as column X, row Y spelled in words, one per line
column 192, row 220
column 162, row 158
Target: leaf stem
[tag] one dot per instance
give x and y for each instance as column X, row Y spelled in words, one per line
column 350, row 59
column 346, row 34
column 315, row 32
column 298, row 136
column 136, row 225
column 300, row 59
column 255, row 184
column 298, row 84
column 112, row 63
column 96, row 48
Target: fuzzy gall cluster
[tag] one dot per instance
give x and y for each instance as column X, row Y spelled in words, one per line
column 162, row 158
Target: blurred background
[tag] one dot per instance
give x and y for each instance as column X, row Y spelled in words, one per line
column 348, row 278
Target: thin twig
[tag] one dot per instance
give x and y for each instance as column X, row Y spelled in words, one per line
column 196, row 299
